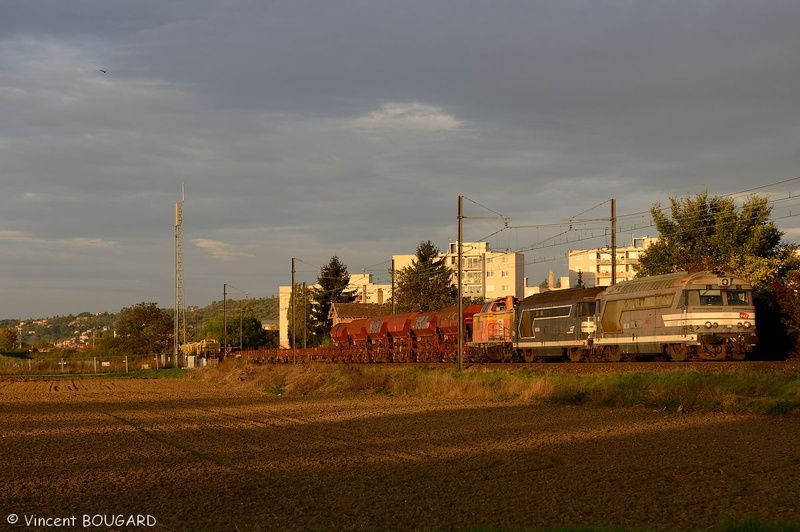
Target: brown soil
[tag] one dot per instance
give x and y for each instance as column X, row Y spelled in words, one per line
column 197, row 456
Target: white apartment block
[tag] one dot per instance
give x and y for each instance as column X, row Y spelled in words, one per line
column 595, row 264
column 486, row 274
column 361, row 283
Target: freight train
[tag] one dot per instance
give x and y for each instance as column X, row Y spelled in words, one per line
column 682, row 316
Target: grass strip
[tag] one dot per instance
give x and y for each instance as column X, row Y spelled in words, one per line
column 763, row 392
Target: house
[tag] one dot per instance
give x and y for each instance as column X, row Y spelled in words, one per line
column 347, row 312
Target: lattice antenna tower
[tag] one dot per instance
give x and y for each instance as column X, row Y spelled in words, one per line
column 180, row 308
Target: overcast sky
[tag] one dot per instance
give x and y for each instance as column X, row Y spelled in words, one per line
column 312, row 128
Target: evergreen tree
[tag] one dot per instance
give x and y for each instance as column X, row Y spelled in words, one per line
column 427, row 284
column 332, row 288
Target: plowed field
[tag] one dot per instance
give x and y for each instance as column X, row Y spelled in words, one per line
column 197, row 456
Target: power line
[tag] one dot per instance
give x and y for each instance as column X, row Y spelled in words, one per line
column 485, row 207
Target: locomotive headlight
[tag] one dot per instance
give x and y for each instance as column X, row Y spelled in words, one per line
column 709, row 325
column 716, row 324
column 747, row 325
column 739, row 325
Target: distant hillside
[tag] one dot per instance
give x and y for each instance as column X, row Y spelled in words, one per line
column 83, row 327
column 265, row 308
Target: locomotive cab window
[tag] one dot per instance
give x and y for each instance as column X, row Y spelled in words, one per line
column 551, row 312
column 525, row 329
column 585, row 308
column 711, row 297
column 704, row 297
column 716, row 297
column 738, row 297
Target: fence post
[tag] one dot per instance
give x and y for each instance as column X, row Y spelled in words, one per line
column 126, row 363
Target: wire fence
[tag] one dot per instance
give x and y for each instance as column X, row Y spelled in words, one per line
column 94, row 365
column 114, row 365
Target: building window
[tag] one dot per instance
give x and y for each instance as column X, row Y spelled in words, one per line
column 504, row 273
column 489, row 274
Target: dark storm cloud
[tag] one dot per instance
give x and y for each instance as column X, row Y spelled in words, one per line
column 605, row 82
column 311, row 128
column 99, row 18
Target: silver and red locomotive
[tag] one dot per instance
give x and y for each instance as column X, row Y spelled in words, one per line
column 681, row 316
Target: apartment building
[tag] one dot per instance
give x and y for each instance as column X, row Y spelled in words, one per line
column 595, row 264
column 486, row 273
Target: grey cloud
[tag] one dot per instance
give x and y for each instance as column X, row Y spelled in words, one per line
column 312, row 128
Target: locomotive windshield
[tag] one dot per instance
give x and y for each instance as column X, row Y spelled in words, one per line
column 717, row 297
column 738, row 297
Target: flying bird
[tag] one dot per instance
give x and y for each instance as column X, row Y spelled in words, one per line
column 103, row 71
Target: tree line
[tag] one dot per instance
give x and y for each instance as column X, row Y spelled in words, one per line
column 146, row 329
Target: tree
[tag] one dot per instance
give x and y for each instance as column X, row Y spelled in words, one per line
column 253, row 335
column 707, row 233
column 8, row 339
column 331, row 288
column 144, row 329
column 545, row 285
column 242, row 327
column 427, row 284
column 778, row 314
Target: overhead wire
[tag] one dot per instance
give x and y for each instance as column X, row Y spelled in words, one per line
column 644, row 225
column 588, row 230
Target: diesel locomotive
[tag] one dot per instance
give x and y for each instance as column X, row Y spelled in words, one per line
column 682, row 316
